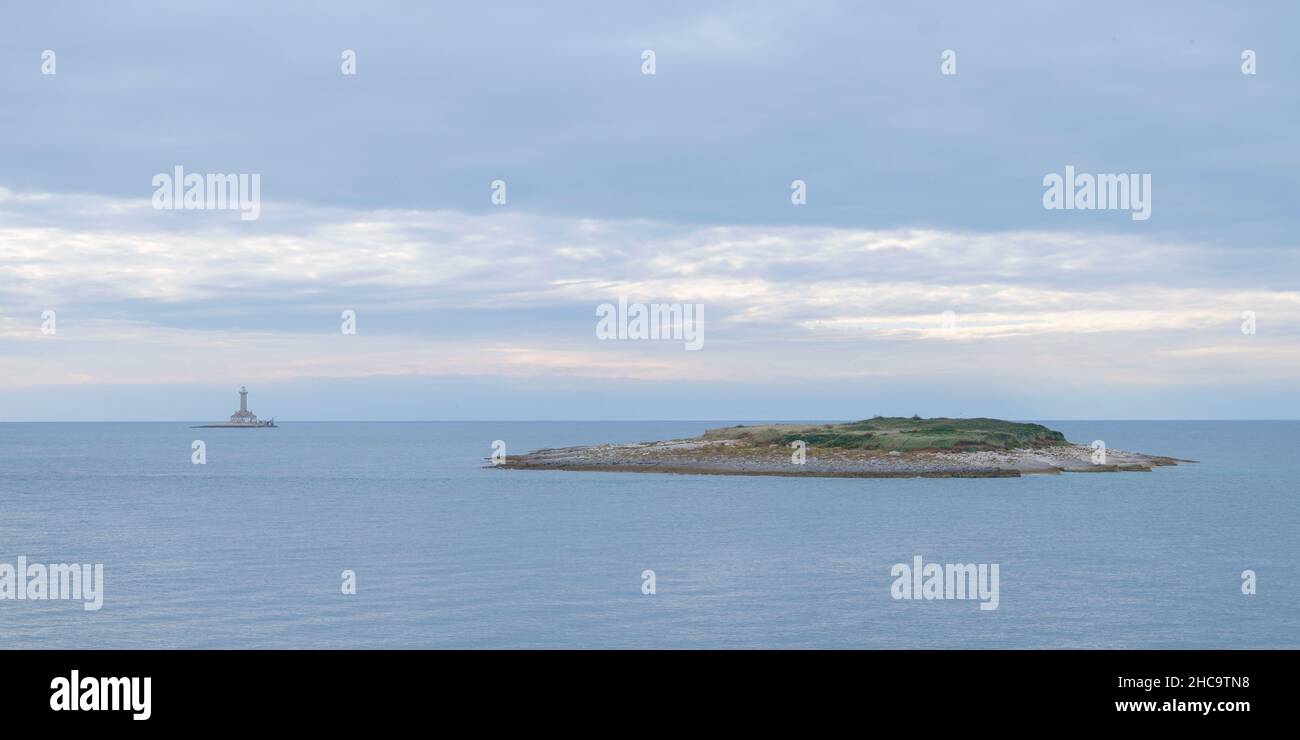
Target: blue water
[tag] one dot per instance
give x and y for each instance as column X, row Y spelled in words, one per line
column 247, row 550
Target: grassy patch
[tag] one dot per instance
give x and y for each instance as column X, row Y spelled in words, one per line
column 899, row 433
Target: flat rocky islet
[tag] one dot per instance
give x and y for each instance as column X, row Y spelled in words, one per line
column 881, row 447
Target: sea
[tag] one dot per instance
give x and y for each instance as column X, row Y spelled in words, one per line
column 403, row 535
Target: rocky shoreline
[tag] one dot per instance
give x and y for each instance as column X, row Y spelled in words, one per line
column 701, row 456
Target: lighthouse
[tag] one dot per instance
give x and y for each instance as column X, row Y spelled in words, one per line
column 243, row 415
column 243, row 418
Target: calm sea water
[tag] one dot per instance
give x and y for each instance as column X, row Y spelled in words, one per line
column 247, row 550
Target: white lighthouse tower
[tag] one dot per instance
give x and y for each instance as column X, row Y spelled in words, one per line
column 243, row 415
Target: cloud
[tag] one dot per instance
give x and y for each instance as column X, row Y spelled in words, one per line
column 749, row 96
column 924, row 197
column 146, row 296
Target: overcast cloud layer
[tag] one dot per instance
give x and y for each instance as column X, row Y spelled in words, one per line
column 924, row 196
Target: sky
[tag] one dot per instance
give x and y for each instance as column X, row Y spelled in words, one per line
column 922, row 274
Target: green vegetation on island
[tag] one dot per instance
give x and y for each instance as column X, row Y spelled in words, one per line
column 898, row 433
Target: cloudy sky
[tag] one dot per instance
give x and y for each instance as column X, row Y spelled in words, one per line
column 924, row 196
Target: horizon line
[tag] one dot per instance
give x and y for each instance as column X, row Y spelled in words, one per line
column 586, row 421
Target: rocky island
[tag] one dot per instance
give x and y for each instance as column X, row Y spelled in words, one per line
column 882, row 447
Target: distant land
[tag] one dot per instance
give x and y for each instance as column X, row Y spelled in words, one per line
column 882, row 447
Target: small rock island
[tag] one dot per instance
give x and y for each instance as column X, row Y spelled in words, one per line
column 882, row 447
